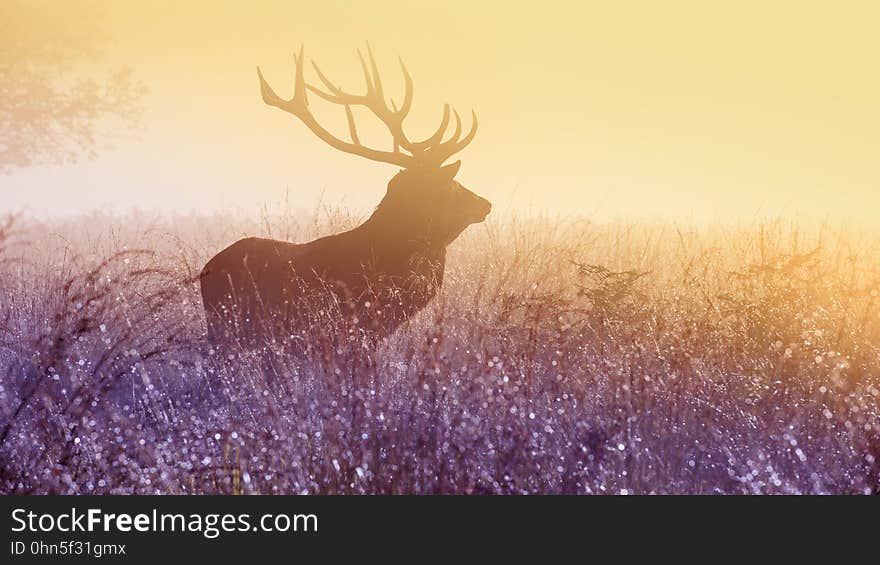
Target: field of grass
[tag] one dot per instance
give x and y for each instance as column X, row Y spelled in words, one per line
column 561, row 357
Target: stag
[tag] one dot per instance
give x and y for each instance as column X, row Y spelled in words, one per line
column 373, row 277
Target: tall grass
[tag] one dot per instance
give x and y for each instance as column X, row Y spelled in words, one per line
column 561, row 357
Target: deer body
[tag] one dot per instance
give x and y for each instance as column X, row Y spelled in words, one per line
column 265, row 283
column 372, row 277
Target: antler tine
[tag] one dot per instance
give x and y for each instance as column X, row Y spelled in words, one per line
column 330, row 86
column 300, row 95
column 372, row 100
column 470, row 136
column 298, row 106
column 366, row 72
column 377, row 80
column 449, row 148
column 336, row 94
column 406, row 153
column 408, row 90
column 352, row 128
column 269, row 96
column 457, row 133
column 437, row 136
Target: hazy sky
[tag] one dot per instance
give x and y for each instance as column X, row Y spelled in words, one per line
column 607, row 109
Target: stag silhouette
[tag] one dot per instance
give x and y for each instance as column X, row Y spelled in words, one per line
column 373, row 277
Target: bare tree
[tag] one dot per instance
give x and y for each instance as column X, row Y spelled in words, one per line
column 56, row 105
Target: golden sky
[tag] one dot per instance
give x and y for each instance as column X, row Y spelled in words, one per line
column 674, row 109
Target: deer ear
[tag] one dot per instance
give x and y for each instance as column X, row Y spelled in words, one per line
column 448, row 172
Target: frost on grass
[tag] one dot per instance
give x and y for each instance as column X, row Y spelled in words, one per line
column 559, row 358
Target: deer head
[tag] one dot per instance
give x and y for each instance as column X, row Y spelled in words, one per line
column 423, row 198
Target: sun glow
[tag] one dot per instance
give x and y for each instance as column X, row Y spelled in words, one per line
column 679, row 110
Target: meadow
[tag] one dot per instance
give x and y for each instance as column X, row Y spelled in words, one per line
column 562, row 356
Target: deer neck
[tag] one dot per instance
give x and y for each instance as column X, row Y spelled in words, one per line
column 402, row 248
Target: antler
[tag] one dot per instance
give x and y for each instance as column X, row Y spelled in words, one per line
column 406, row 153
